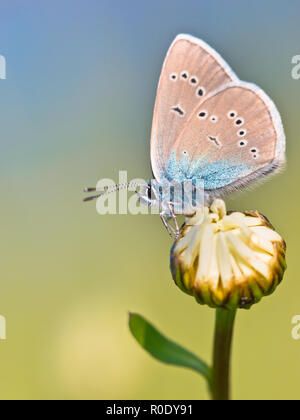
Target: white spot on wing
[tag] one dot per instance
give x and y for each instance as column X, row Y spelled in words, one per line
column 202, row 114
column 242, row 133
column 200, row 91
column 242, row 143
column 232, row 114
column 184, row 75
column 194, row 81
column 239, row 121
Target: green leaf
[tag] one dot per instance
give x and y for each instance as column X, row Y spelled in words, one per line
column 164, row 349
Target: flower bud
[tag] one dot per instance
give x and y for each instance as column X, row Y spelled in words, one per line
column 228, row 260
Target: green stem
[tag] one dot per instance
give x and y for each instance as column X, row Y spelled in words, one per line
column 220, row 386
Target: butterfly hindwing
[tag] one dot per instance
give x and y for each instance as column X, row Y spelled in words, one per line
column 233, row 134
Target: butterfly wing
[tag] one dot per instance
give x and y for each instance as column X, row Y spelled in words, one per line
column 192, row 70
column 232, row 137
column 210, row 125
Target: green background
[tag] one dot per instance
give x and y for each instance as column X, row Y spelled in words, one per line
column 76, row 107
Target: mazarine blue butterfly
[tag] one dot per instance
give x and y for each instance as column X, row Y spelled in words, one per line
column 208, row 125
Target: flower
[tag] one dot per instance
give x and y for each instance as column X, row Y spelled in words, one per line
column 228, row 260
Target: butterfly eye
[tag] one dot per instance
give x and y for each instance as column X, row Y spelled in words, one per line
column 202, row 114
column 232, row 114
column 149, row 193
column 173, row 77
column 239, row 121
column 243, row 143
column 200, row 92
column 193, row 80
column 242, row 133
column 184, row 75
column 185, row 153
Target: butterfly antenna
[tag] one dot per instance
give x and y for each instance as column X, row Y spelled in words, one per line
column 93, row 197
column 109, row 191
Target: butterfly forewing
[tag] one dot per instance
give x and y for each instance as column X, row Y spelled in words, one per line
column 192, row 70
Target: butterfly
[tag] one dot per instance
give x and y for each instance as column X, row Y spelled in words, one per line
column 209, row 126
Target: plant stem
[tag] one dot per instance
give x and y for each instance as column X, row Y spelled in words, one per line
column 220, row 386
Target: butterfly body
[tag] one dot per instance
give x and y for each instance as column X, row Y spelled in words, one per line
column 172, row 197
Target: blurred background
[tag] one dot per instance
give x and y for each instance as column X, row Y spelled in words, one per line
column 76, row 107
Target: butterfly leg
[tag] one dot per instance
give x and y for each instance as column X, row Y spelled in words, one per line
column 174, row 233
column 174, row 218
column 167, row 225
